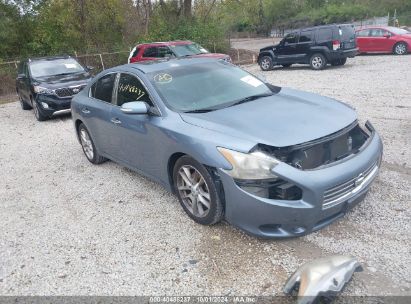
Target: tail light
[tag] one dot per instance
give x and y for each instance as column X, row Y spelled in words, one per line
column 336, row 44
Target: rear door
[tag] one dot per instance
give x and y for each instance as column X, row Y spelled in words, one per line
column 324, row 37
column 304, row 44
column 363, row 40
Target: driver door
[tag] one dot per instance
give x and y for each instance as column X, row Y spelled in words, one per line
column 287, row 51
column 133, row 133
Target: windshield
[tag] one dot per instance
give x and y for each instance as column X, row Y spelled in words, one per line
column 188, row 49
column 43, row 68
column 211, row 85
column 398, row 31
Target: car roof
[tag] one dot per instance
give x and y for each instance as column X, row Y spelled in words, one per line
column 321, row 26
column 159, row 65
column 160, row 43
column 48, row 58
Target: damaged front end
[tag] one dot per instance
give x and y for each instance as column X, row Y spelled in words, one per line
column 323, row 151
column 323, row 277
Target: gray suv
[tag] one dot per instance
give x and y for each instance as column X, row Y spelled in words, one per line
column 315, row 46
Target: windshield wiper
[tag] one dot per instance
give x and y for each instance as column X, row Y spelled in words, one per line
column 250, row 98
column 200, row 111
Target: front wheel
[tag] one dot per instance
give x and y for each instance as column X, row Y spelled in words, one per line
column 37, row 112
column 318, row 61
column 266, row 63
column 23, row 104
column 88, row 146
column 400, row 48
column 197, row 192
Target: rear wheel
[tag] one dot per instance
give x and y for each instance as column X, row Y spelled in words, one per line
column 318, row 61
column 266, row 63
column 88, row 146
column 339, row 62
column 197, row 192
column 400, row 48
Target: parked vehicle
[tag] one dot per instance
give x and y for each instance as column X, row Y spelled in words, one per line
column 275, row 162
column 171, row 49
column 315, row 46
column 383, row 39
column 48, row 84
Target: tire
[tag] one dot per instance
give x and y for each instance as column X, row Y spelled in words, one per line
column 339, row 62
column 88, row 146
column 318, row 61
column 266, row 63
column 23, row 104
column 194, row 184
column 37, row 112
column 400, row 48
column 286, row 65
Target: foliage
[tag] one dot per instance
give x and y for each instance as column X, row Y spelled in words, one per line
column 46, row 27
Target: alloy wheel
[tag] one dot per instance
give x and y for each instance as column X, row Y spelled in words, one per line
column 36, row 110
column 317, row 62
column 400, row 49
column 87, row 144
column 193, row 191
column 265, row 64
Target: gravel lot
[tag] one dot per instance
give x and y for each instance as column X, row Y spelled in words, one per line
column 71, row 228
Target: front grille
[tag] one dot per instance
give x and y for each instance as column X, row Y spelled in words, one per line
column 341, row 192
column 68, row 92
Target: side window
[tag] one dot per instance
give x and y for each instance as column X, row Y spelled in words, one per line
column 131, row 89
column 377, row 32
column 150, row 52
column 325, row 34
column 164, row 51
column 103, row 88
column 305, row 36
column 291, row 38
column 135, row 52
column 363, row 33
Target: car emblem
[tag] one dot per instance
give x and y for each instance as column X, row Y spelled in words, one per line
column 359, row 180
column 75, row 91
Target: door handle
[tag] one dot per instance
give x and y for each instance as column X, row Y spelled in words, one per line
column 116, row 121
column 85, row 110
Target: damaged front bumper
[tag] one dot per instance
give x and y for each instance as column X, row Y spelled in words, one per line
column 321, row 277
column 326, row 195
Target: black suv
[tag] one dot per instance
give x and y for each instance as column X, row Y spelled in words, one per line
column 315, row 46
column 47, row 84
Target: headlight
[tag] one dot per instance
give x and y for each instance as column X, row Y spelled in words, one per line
column 255, row 165
column 42, row 90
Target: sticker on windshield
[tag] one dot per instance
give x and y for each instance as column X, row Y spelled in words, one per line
column 163, row 78
column 70, row 65
column 251, row 81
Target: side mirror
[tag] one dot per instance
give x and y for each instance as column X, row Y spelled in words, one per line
column 135, row 107
column 387, row 35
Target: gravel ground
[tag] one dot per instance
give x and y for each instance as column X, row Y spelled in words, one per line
column 71, row 228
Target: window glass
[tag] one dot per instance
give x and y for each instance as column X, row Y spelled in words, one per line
column 131, row 89
column 378, row 32
column 305, row 36
column 188, row 49
column 205, row 85
column 45, row 67
column 291, row 38
column 103, row 88
column 325, row 34
column 135, row 52
column 150, row 52
column 164, row 51
column 363, row 33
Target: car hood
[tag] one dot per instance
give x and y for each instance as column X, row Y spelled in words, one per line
column 288, row 118
column 269, row 48
column 59, row 81
column 210, row 55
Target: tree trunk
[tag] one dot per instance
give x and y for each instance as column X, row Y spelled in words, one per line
column 187, row 8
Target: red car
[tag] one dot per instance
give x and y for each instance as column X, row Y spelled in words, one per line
column 173, row 49
column 383, row 39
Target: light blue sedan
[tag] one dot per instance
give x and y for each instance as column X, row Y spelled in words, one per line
column 275, row 162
